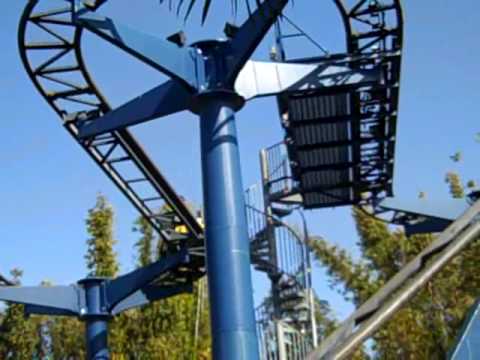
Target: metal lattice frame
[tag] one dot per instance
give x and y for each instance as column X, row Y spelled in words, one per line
column 63, row 60
column 58, row 42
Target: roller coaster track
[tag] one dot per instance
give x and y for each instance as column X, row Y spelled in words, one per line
column 50, row 46
column 49, row 34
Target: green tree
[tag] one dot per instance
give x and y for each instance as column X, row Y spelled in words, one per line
column 102, row 261
column 455, row 183
column 18, row 335
column 101, row 257
column 68, row 338
column 426, row 328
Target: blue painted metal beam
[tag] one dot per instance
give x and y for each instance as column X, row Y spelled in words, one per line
column 258, row 79
column 178, row 63
column 251, row 33
column 448, row 209
column 166, row 99
column 120, row 293
column 64, row 298
column 123, row 286
column 150, row 294
column 47, row 310
column 96, row 318
column 424, row 215
column 425, row 226
column 468, row 341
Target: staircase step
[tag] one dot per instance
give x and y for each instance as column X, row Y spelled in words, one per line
column 281, row 212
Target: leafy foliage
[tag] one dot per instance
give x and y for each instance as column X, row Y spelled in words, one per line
column 68, row 336
column 426, row 328
column 174, row 328
column 100, row 257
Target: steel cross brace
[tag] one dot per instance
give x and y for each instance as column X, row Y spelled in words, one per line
column 96, row 300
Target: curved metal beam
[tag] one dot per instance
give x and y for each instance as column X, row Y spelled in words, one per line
column 93, row 102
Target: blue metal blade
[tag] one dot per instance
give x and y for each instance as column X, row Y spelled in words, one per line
column 178, row 63
column 449, row 209
column 58, row 297
column 265, row 79
column 163, row 100
column 150, row 294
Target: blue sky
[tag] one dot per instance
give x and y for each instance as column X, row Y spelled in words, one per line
column 49, row 183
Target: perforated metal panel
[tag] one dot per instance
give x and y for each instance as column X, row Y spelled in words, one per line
column 340, row 143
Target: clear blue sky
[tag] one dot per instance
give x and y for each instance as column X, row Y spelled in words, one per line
column 49, row 183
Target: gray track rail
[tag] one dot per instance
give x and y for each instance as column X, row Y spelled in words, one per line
column 402, row 287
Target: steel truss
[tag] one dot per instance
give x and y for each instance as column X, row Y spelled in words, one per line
column 57, row 41
column 50, row 44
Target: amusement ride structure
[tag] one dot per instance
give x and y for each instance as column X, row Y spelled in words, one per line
column 339, row 114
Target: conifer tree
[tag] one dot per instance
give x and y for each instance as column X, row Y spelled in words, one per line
column 102, row 261
column 455, row 183
column 101, row 257
column 68, row 338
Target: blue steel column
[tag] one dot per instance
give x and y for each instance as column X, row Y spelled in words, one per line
column 96, row 324
column 228, row 255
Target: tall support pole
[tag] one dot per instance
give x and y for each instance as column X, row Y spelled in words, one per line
column 228, row 255
column 96, row 326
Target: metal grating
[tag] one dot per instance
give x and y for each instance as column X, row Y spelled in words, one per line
column 320, row 145
column 341, row 139
column 340, row 144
